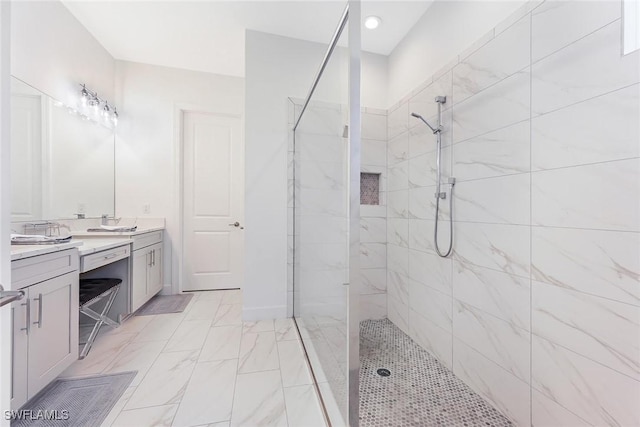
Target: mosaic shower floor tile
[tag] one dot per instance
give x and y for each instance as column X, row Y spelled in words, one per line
column 419, row 391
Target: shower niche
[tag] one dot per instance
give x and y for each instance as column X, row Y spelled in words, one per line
column 369, row 188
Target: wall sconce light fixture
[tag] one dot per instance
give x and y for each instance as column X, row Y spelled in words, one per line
column 88, row 98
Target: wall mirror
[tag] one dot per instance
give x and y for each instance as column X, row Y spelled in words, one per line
column 62, row 161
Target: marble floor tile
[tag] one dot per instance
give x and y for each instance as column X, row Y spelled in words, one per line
column 223, row 342
column 136, row 356
column 209, row 295
column 197, row 387
column 203, row 310
column 228, row 314
column 285, row 329
column 102, row 353
column 292, row 364
column 232, row 296
column 303, row 407
column 166, row 381
column 155, row 416
column 161, row 328
column 258, row 352
column 118, row 407
column 259, row 400
column 260, row 326
column 133, row 325
column 190, row 335
column 209, row 394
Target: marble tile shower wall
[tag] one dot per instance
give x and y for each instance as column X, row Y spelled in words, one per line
column 373, row 219
column 320, row 173
column 538, row 310
column 317, row 182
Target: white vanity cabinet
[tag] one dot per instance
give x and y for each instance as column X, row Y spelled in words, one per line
column 45, row 321
column 146, row 275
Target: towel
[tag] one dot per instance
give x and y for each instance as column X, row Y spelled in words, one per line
column 118, row 228
column 37, row 238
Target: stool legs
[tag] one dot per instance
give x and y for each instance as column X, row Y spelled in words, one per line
column 100, row 318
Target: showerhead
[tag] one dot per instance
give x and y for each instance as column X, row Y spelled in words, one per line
column 418, row 116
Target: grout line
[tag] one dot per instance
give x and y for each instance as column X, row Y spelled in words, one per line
column 591, row 98
column 554, row 343
column 530, row 217
column 510, row 322
column 537, row 61
column 585, row 164
column 533, row 281
column 496, row 364
column 284, row 400
column 540, row 226
column 488, row 132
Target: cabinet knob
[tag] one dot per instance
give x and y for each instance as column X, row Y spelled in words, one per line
column 235, row 224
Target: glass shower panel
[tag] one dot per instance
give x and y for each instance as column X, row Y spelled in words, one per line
column 321, row 233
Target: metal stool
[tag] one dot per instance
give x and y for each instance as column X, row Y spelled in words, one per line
column 93, row 291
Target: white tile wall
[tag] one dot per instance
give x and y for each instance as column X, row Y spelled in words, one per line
column 538, row 309
column 484, row 68
column 376, row 155
column 590, row 67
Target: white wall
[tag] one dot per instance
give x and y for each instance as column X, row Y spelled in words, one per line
column 445, row 29
column 5, row 203
column 53, row 52
column 277, row 68
column 149, row 98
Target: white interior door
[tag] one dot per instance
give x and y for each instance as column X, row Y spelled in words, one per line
column 213, row 167
column 26, row 157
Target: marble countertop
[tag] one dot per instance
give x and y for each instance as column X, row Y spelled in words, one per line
column 85, row 246
column 101, row 234
column 26, row 251
column 96, row 244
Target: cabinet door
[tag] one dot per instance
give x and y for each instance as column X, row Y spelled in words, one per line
column 155, row 271
column 139, row 265
column 19, row 338
column 53, row 335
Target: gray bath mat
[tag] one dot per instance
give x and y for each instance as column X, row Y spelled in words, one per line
column 164, row 304
column 82, row 401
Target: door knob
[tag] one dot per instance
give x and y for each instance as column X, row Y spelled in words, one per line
column 235, row 224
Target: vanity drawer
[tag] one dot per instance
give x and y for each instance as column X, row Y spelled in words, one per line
column 28, row 271
column 143, row 240
column 98, row 259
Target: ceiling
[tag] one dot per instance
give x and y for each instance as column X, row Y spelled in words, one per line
column 209, row 35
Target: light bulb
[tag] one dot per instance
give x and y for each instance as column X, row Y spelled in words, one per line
column 372, row 22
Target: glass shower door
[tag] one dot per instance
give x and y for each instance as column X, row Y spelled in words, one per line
column 325, row 227
column 321, row 257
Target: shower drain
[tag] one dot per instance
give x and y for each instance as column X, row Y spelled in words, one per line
column 383, row 372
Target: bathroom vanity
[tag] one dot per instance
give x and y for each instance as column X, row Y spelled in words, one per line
column 45, row 322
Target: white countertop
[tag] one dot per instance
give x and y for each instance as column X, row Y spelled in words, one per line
column 26, row 251
column 93, row 245
column 85, row 246
column 83, row 234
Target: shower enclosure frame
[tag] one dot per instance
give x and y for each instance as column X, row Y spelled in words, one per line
column 351, row 15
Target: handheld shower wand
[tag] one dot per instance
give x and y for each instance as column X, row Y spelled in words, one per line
column 418, row 116
column 440, row 194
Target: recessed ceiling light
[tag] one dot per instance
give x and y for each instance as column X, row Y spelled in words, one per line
column 372, row 22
